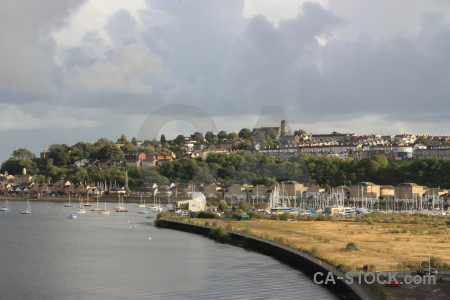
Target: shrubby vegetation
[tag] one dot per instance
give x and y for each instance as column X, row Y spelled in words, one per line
column 242, row 167
column 205, row 215
column 220, row 234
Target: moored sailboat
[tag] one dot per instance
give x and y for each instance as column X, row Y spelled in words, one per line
column 120, row 207
column 68, row 204
column 80, row 210
column 97, row 208
column 143, row 212
column 104, row 212
column 6, row 207
column 142, row 205
column 28, row 210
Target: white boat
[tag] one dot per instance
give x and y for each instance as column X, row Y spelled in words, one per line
column 68, row 204
column 72, row 216
column 6, row 207
column 120, row 207
column 143, row 212
column 141, row 204
column 28, row 210
column 80, row 210
column 278, row 203
column 156, row 208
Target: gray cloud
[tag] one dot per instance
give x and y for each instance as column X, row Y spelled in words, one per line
column 205, row 53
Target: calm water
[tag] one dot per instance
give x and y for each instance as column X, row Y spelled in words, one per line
column 46, row 256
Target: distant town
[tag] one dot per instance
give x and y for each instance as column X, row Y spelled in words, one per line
column 352, row 169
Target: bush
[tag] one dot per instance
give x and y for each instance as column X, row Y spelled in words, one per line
column 344, row 268
column 313, row 251
column 166, row 215
column 350, row 247
column 286, row 216
column 244, row 206
column 257, row 215
column 274, row 217
column 220, row 234
column 237, row 214
column 222, row 205
column 206, row 215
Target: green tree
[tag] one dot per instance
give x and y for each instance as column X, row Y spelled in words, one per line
column 245, row 206
column 23, row 153
column 210, row 137
column 60, row 154
column 204, row 175
column 198, row 136
column 163, row 139
column 179, row 140
column 106, row 149
column 271, row 133
column 232, row 136
column 222, row 135
column 128, row 147
column 16, row 165
column 245, row 133
column 422, row 140
column 222, row 205
column 122, row 139
column 80, row 150
column 300, row 132
column 111, row 152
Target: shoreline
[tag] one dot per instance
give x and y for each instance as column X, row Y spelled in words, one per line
column 109, row 199
column 297, row 259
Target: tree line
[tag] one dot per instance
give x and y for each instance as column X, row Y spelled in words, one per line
column 240, row 167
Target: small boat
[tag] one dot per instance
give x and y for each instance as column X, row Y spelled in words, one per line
column 6, row 207
column 156, row 208
column 87, row 201
column 97, row 208
column 68, row 204
column 142, row 204
column 104, row 212
column 72, row 216
column 28, row 210
column 120, row 207
column 80, row 210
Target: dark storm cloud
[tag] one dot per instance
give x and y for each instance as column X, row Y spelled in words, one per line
column 27, row 65
column 205, row 53
column 226, row 64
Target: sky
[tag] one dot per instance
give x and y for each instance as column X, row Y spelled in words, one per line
column 80, row 70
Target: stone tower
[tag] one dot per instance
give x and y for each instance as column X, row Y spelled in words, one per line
column 283, row 127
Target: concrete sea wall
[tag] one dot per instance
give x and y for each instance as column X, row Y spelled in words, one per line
column 299, row 260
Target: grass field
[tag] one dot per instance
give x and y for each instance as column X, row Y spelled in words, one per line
column 382, row 246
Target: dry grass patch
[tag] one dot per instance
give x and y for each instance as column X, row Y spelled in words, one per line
column 384, row 245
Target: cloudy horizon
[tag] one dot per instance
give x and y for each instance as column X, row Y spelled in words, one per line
column 79, row 70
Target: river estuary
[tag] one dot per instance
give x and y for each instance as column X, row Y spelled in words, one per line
column 122, row 256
